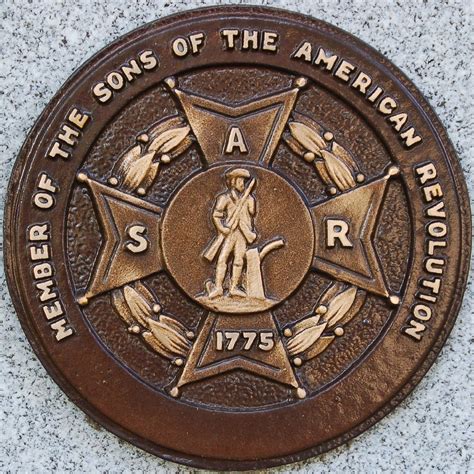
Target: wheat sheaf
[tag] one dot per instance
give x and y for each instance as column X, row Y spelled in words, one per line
column 138, row 167
column 315, row 332
column 138, row 308
column 333, row 163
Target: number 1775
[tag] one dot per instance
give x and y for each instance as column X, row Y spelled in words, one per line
column 228, row 340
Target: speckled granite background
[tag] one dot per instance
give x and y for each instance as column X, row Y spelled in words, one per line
column 43, row 42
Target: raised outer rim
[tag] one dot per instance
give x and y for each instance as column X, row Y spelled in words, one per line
column 195, row 461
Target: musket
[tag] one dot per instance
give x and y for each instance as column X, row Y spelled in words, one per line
column 232, row 223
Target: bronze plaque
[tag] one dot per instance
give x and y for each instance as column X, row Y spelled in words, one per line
column 237, row 237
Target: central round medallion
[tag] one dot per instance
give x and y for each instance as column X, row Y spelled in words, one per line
column 237, row 238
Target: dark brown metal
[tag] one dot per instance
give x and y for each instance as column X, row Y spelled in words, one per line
column 237, row 237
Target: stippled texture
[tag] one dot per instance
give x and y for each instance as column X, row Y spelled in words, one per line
column 42, row 43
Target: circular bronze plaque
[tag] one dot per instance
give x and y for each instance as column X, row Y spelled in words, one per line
column 237, row 237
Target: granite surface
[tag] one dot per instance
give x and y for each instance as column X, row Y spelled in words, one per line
column 43, row 42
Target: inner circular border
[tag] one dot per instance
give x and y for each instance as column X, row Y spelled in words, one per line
column 215, row 169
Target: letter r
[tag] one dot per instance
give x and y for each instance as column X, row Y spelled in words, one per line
column 337, row 229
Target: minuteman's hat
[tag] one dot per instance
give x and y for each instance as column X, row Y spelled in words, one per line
column 237, row 173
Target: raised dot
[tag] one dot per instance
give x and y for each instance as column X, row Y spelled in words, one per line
column 113, row 181
column 135, row 329
column 297, row 361
column 309, row 156
column 170, row 82
column 339, row 331
column 190, row 335
column 360, row 177
column 143, row 138
column 287, row 332
column 321, row 309
column 300, row 82
column 394, row 299
column 141, row 191
column 82, row 177
column 301, row 392
column 328, row 136
column 83, row 300
column 393, row 171
column 332, row 190
column 178, row 362
column 156, row 308
column 174, row 392
column 165, row 159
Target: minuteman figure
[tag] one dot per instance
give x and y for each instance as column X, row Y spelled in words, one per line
column 232, row 216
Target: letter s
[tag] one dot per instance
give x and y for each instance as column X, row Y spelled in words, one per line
column 101, row 92
column 139, row 241
column 148, row 60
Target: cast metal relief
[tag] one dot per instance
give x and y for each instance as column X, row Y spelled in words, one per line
column 237, row 144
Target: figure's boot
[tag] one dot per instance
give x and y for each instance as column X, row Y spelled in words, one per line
column 217, row 289
column 234, row 289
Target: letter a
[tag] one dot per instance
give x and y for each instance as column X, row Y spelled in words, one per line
column 235, row 139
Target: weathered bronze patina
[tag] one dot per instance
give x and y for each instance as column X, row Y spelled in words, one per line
column 237, row 237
